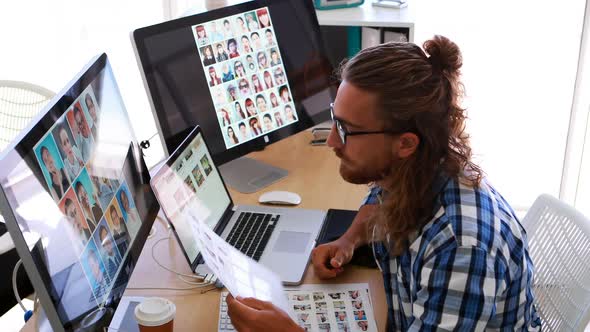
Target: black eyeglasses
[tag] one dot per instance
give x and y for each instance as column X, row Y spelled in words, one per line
column 343, row 133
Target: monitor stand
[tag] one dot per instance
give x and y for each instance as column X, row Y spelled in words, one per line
column 247, row 175
column 96, row 320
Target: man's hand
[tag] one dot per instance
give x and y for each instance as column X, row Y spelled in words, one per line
column 328, row 259
column 250, row 314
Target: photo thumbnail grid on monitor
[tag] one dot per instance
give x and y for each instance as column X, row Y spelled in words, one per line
column 246, row 76
column 102, row 216
column 192, row 180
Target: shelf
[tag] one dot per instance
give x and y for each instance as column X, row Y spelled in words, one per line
column 368, row 15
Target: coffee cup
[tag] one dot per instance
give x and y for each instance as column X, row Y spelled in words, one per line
column 155, row 314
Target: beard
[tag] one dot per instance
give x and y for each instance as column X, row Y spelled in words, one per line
column 356, row 173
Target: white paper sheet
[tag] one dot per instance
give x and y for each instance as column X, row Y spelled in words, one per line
column 241, row 275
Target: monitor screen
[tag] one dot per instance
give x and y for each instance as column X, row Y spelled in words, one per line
column 76, row 197
column 249, row 75
column 190, row 175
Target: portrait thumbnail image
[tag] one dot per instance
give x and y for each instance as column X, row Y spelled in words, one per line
column 81, row 226
column 91, row 111
column 87, row 197
column 206, row 164
column 81, row 131
column 95, row 271
column 68, row 149
column 116, row 223
column 129, row 210
column 52, row 167
column 110, row 255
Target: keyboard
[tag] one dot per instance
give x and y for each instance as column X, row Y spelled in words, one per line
column 251, row 233
column 224, row 321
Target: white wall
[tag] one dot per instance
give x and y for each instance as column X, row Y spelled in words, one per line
column 520, row 60
column 48, row 42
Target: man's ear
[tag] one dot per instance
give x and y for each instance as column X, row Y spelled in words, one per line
column 407, row 144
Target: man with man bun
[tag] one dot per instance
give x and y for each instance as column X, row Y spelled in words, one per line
column 452, row 252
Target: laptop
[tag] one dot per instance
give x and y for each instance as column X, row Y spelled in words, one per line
column 279, row 238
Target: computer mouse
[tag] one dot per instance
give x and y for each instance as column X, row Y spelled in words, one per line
column 279, row 198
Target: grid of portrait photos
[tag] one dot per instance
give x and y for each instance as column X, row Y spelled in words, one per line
column 247, row 80
column 102, row 216
column 342, row 308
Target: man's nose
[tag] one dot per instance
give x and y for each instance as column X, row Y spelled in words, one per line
column 333, row 139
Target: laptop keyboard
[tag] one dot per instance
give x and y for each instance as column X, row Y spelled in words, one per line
column 251, row 233
column 224, row 320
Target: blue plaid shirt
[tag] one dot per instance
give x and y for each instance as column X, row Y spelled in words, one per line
column 468, row 269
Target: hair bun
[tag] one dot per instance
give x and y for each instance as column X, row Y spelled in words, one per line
column 444, row 55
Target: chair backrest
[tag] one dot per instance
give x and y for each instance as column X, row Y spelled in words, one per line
column 19, row 103
column 559, row 245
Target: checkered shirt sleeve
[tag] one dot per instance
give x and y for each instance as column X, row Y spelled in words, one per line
column 468, row 270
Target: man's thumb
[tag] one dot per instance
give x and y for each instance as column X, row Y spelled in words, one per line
column 337, row 260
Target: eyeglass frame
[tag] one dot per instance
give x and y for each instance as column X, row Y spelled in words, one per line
column 343, row 133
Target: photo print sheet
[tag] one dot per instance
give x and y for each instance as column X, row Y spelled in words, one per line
column 247, row 80
column 241, row 275
column 334, row 307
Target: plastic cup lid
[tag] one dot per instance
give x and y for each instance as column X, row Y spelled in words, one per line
column 154, row 311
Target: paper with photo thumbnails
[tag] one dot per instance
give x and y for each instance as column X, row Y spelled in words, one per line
column 241, row 275
column 334, row 307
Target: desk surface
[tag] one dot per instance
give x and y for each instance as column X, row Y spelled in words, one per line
column 315, row 177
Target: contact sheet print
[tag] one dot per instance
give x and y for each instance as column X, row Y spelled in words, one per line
column 339, row 307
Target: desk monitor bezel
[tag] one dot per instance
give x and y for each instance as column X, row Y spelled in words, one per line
column 171, row 140
column 134, row 166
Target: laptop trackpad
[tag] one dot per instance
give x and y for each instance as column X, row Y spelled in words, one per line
column 291, row 242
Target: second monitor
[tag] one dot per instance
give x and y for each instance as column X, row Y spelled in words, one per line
column 249, row 75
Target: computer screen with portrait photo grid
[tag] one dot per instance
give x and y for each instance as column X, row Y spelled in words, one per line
column 249, row 74
column 76, row 198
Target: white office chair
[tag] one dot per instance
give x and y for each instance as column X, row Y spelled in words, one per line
column 559, row 245
column 19, row 103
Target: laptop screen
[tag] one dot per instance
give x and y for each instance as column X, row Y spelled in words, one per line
column 190, row 173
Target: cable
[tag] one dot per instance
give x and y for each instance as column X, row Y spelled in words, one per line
column 180, row 276
column 28, row 313
column 14, row 288
column 175, row 272
column 194, row 283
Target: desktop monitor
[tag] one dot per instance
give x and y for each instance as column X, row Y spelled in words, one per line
column 249, row 74
column 75, row 194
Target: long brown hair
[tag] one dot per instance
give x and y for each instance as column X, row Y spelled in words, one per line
column 420, row 94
